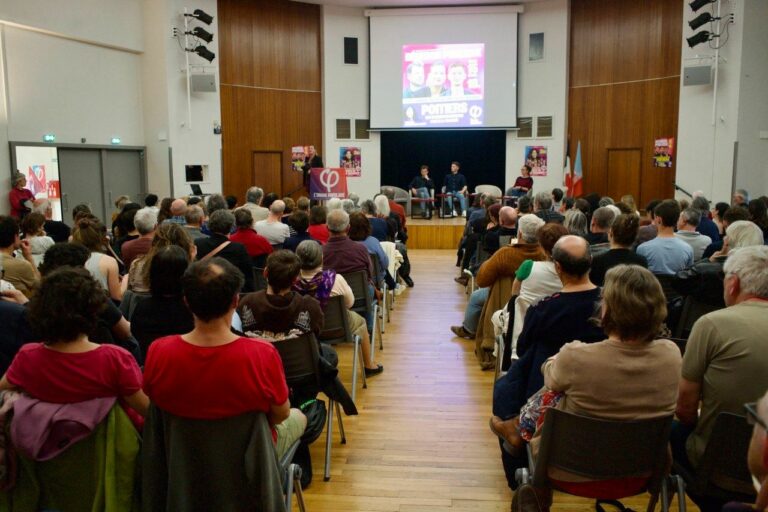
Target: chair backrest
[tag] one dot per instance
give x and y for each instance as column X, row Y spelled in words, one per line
column 301, row 359
column 692, row 311
column 358, row 281
column 336, row 325
column 667, row 287
column 259, row 281
column 722, row 470
column 504, row 240
column 489, row 189
column 277, row 247
column 599, row 449
column 376, row 267
column 209, row 464
column 401, row 196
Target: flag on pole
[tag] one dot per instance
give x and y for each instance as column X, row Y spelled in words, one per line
column 567, row 168
column 575, row 181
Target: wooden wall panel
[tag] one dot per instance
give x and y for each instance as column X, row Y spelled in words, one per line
column 270, row 86
column 624, row 86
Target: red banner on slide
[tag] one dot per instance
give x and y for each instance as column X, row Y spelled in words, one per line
column 327, row 183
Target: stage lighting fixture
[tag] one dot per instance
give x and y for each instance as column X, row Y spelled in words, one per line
column 203, row 52
column 201, row 15
column 696, row 22
column 695, row 5
column 698, row 38
column 201, row 33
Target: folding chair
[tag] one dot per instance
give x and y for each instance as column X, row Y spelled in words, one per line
column 722, row 473
column 336, row 330
column 692, row 311
column 301, row 358
column 292, row 478
column 259, row 281
column 599, row 449
column 358, row 281
column 383, row 310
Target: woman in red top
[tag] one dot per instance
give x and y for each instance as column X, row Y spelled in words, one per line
column 67, row 367
column 523, row 184
column 257, row 246
column 317, row 228
column 211, row 373
column 19, row 195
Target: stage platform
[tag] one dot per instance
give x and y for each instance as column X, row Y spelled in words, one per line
column 435, row 233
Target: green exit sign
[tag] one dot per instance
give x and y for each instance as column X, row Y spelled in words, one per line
column 116, row 140
column 49, row 137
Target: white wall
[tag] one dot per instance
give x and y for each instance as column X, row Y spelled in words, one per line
column 345, row 95
column 542, row 90
column 752, row 167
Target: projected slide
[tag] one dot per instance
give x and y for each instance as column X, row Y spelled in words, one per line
column 443, row 85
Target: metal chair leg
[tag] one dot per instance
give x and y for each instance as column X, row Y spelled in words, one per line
column 297, row 488
column 665, row 495
column 362, row 364
column 289, row 488
column 381, row 328
column 328, row 440
column 341, row 423
column 354, row 369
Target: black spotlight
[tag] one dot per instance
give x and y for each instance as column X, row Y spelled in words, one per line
column 695, row 5
column 698, row 38
column 201, row 15
column 696, row 22
column 203, row 52
column 201, row 33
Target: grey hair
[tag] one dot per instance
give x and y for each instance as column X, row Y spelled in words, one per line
column 216, row 202
column 348, row 205
column 194, row 215
column 701, row 203
column 146, row 220
column 354, row 198
column 337, row 221
column 368, row 207
column 544, row 200
column 750, row 264
column 743, row 193
column 254, row 195
column 389, row 192
column 603, row 217
column 743, row 233
column 528, row 226
column 605, row 201
column 691, row 216
column 575, row 222
column 382, row 205
column 310, row 254
column 333, row 204
column 221, row 222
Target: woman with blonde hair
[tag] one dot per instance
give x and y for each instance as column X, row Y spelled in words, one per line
column 168, row 233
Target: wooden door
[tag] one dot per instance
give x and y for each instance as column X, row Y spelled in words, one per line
column 624, row 170
column 267, row 171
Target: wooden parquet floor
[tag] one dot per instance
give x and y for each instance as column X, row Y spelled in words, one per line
column 421, row 442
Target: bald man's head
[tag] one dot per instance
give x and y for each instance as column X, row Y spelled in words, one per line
column 277, row 207
column 507, row 217
column 572, row 255
column 178, row 208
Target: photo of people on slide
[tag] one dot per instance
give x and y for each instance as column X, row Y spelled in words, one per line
column 443, row 84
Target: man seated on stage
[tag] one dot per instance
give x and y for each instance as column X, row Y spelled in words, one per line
column 422, row 186
column 455, row 184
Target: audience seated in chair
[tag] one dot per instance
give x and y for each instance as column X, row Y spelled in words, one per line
column 394, row 207
column 218, row 244
column 756, row 458
column 20, row 272
column 706, row 225
column 542, row 207
column 551, row 323
column 576, row 222
column 194, row 222
column 272, row 228
column 318, row 229
column 503, row 264
column 211, row 373
column 257, row 247
column 360, row 231
column 687, row 225
column 92, row 234
column 666, row 254
column 507, row 229
column 602, row 219
column 299, row 223
column 168, row 233
column 146, row 222
column 731, row 215
column 324, row 284
column 163, row 313
column 725, row 357
column 253, row 197
column 379, row 226
column 629, row 376
column 621, row 238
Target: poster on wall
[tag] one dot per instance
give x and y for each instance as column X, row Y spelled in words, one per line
column 663, row 152
column 40, row 165
column 297, row 157
column 327, row 183
column 536, row 159
column 443, row 84
column 351, row 160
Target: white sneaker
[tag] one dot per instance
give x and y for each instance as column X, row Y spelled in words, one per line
column 399, row 289
column 464, row 213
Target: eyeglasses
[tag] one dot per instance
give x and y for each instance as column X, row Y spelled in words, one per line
column 752, row 417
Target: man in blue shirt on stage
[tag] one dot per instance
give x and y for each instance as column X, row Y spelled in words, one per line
column 456, row 185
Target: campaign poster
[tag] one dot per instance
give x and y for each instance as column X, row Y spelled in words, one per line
column 663, row 152
column 297, row 157
column 350, row 159
column 536, row 159
column 327, row 183
column 443, row 85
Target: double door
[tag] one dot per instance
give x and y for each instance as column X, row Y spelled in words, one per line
column 98, row 176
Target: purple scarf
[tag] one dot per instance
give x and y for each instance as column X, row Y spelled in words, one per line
column 319, row 286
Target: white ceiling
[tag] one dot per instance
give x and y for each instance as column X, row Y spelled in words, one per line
column 408, row 3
